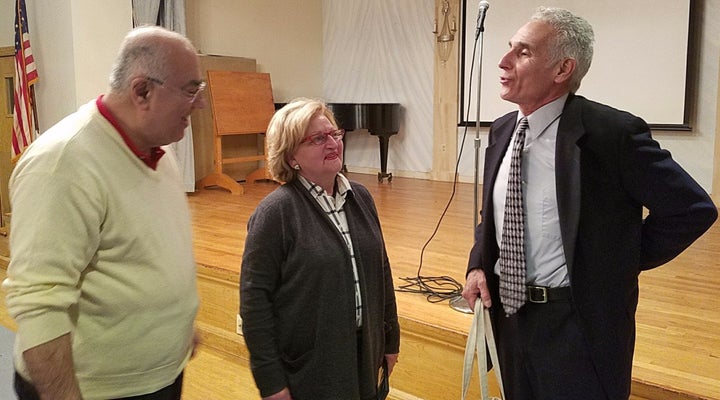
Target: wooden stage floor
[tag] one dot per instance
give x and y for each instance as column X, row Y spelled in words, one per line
column 678, row 320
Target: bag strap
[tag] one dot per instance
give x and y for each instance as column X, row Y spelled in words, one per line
column 479, row 335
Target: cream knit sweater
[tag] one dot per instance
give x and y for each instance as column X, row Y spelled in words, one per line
column 101, row 248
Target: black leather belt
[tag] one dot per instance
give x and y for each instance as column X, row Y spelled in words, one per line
column 542, row 294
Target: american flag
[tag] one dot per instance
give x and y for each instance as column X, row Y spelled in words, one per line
column 25, row 76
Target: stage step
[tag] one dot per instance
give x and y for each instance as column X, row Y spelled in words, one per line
column 431, row 358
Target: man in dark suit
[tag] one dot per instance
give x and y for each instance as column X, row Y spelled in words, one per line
column 588, row 171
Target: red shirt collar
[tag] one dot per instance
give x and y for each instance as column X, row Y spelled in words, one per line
column 152, row 159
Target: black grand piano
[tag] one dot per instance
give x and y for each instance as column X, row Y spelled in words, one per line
column 380, row 119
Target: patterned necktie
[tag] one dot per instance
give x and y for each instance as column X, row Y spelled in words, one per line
column 512, row 249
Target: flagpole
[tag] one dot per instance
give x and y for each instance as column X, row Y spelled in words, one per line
column 33, row 107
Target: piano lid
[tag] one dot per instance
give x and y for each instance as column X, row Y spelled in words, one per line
column 377, row 118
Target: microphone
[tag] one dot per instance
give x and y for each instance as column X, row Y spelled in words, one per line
column 482, row 11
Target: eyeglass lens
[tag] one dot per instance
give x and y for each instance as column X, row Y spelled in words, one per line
column 321, row 138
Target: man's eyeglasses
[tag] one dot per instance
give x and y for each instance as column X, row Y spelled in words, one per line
column 191, row 93
column 321, row 138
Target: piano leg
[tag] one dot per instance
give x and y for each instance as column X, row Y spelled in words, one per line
column 384, row 142
column 344, row 167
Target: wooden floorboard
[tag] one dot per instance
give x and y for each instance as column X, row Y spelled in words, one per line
column 678, row 340
column 678, row 318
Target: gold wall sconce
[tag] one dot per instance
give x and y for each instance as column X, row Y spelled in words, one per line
column 446, row 35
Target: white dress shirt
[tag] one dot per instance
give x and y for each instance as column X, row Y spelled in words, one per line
column 545, row 258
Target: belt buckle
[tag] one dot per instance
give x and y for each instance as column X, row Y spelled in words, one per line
column 537, row 294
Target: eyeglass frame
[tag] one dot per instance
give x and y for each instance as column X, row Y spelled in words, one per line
column 322, row 137
column 192, row 97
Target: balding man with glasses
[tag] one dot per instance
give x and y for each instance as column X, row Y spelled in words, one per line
column 102, row 276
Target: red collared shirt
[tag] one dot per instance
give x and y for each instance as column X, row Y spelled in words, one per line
column 151, row 160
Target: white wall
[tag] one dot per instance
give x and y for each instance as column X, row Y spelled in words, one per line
column 382, row 49
column 337, row 50
column 694, row 150
column 7, row 20
column 74, row 43
column 283, row 36
column 52, row 44
column 98, row 28
column 379, row 50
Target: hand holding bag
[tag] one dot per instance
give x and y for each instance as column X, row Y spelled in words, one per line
column 481, row 334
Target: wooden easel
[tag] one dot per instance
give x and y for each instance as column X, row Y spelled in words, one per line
column 242, row 104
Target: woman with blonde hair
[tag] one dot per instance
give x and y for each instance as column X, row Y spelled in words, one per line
column 316, row 290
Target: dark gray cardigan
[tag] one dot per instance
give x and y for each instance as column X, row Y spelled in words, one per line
column 297, row 297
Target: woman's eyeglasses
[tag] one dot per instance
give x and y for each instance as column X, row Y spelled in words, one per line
column 321, row 138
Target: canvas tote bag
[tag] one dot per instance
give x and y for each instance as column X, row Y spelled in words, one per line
column 479, row 336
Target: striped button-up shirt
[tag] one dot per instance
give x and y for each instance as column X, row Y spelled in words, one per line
column 333, row 207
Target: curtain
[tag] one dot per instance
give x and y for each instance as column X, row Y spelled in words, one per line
column 170, row 14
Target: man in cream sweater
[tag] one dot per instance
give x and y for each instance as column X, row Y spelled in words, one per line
column 101, row 280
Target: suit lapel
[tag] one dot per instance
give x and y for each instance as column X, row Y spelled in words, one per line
column 501, row 133
column 567, row 175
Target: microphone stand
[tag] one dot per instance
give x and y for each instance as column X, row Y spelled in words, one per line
column 459, row 303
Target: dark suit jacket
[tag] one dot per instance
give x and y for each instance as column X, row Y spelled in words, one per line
column 607, row 168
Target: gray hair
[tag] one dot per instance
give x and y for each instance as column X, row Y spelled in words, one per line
column 145, row 51
column 574, row 40
column 286, row 130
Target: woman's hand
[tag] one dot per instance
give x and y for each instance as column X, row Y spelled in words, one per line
column 281, row 395
column 391, row 359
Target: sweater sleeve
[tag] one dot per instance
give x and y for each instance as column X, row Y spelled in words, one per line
column 392, row 326
column 259, row 277
column 55, row 232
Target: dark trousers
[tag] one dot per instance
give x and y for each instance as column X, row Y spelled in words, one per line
column 544, row 355
column 26, row 391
